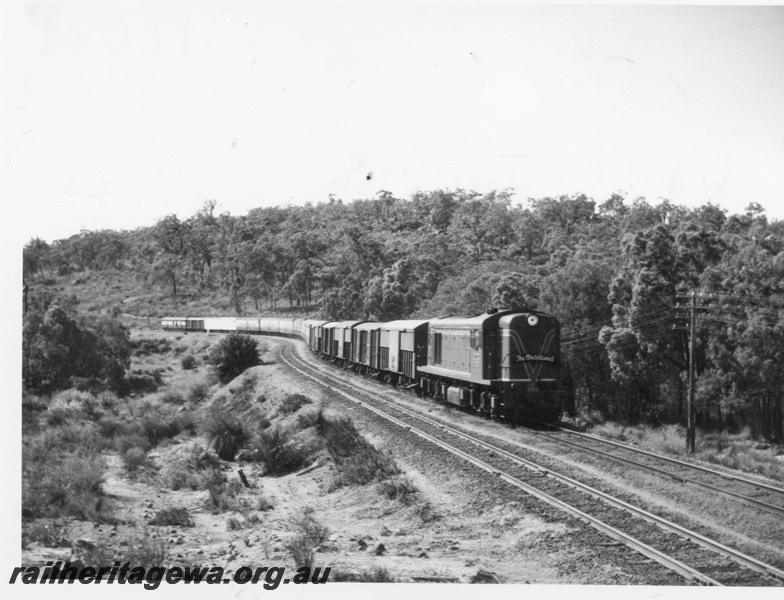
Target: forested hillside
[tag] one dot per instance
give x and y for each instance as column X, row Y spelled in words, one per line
column 611, row 271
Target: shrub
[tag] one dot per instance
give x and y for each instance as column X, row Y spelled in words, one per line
column 226, row 431
column 357, row 460
column 188, row 362
column 246, row 520
column 70, row 405
column 93, row 555
column 198, row 392
column 108, row 400
column 146, row 347
column 292, row 403
column 302, row 546
column 278, row 452
column 311, row 418
column 161, row 424
column 196, row 470
column 312, row 529
column 62, row 346
column 133, row 458
column 82, row 438
column 247, row 385
column 426, row 512
column 171, row 396
column 142, row 550
column 52, row 534
column 399, row 488
column 58, row 415
column 61, row 485
column 31, row 407
column 144, row 381
column 110, row 426
column 234, row 354
column 124, row 442
column 172, row 517
column 264, row 504
column 227, row 496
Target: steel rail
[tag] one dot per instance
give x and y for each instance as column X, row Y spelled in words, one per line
column 770, row 488
column 737, row 556
column 689, row 573
column 772, row 508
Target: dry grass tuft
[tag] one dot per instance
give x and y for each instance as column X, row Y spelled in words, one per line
column 399, row 488
column 358, row 462
column 62, row 472
column 279, row 451
column 173, row 516
column 226, row 431
column 310, row 534
column 292, row 403
column 49, row 533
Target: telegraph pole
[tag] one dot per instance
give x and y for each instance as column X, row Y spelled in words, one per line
column 690, row 441
column 690, row 404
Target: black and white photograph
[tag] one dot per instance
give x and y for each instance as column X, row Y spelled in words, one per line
column 308, row 296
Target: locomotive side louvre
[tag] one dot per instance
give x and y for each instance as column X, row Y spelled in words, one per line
column 457, row 348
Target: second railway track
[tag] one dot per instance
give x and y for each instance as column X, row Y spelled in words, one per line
column 769, row 498
column 692, row 555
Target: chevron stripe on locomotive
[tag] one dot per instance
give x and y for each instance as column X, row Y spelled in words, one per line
column 501, row 364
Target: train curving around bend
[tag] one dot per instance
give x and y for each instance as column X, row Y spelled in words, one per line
column 503, row 364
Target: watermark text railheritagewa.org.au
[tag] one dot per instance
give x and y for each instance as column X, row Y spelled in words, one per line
column 269, row 577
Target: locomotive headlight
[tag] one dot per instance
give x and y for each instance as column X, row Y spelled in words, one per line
column 533, row 320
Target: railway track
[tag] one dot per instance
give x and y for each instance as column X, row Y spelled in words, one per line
column 693, row 556
column 772, row 493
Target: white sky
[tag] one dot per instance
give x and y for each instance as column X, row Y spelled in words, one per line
column 120, row 113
